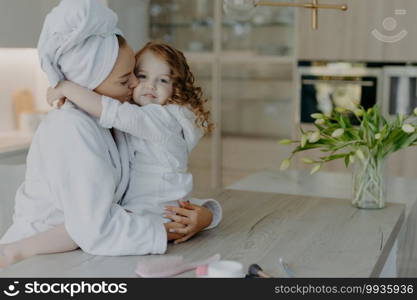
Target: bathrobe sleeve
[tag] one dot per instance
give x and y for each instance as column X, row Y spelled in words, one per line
column 151, row 122
column 214, row 206
column 81, row 177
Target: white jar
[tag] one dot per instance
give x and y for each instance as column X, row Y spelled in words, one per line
column 225, row 269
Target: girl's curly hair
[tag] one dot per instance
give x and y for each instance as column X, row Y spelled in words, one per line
column 185, row 92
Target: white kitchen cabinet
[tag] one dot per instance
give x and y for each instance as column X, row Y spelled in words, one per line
column 349, row 35
column 21, row 22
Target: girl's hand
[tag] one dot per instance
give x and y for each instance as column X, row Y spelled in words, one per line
column 194, row 217
column 55, row 97
column 173, row 225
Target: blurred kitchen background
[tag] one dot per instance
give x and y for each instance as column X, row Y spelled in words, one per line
column 264, row 72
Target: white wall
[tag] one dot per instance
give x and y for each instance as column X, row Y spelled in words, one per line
column 21, row 21
column 133, row 20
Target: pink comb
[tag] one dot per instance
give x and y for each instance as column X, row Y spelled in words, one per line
column 201, row 271
column 168, row 266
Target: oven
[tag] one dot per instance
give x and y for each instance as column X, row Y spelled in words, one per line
column 400, row 90
column 323, row 88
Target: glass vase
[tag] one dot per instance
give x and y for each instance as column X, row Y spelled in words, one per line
column 368, row 184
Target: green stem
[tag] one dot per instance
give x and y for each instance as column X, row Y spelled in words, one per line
column 368, row 182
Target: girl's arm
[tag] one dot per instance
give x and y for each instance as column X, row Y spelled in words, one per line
column 151, row 123
column 86, row 99
column 55, row 240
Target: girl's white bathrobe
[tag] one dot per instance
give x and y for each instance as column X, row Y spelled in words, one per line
column 160, row 141
column 76, row 174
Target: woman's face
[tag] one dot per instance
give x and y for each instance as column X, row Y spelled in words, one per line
column 122, row 80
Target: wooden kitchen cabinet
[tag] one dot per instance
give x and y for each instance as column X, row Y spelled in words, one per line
column 348, row 35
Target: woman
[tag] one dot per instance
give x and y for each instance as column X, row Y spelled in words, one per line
column 77, row 171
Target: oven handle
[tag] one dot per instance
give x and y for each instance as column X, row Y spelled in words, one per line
column 338, row 81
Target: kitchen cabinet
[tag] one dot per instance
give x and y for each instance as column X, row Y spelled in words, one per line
column 246, row 75
column 256, row 71
column 371, row 30
column 21, row 22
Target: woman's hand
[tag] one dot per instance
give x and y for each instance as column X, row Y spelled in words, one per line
column 194, row 218
column 55, row 97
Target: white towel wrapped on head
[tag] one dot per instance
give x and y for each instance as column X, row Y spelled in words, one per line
column 78, row 43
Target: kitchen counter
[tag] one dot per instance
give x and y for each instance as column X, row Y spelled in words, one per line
column 403, row 259
column 11, row 176
column 14, row 140
column 14, row 146
column 317, row 237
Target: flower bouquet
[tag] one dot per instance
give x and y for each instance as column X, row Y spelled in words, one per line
column 367, row 145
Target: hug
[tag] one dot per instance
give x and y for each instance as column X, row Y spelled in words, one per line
column 107, row 168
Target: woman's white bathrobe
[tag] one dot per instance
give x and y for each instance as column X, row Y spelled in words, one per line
column 160, row 141
column 77, row 175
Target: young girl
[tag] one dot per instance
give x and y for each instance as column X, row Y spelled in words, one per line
column 165, row 123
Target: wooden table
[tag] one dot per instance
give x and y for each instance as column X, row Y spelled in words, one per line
column 403, row 259
column 317, row 237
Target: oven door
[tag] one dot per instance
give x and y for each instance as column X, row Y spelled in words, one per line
column 400, row 90
column 322, row 94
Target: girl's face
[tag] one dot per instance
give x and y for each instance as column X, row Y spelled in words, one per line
column 122, row 80
column 155, row 84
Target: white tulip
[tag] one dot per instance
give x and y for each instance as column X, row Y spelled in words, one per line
column 303, row 141
column 285, row 142
column 314, row 137
column 285, row 164
column 317, row 116
column 319, row 122
column 378, row 136
column 408, row 128
column 360, row 154
column 338, row 133
column 315, row 169
column 307, row 160
column 401, row 117
column 358, row 112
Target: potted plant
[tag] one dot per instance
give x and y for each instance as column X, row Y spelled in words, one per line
column 366, row 144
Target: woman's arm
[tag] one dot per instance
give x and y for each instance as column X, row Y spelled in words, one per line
column 55, row 240
column 86, row 99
